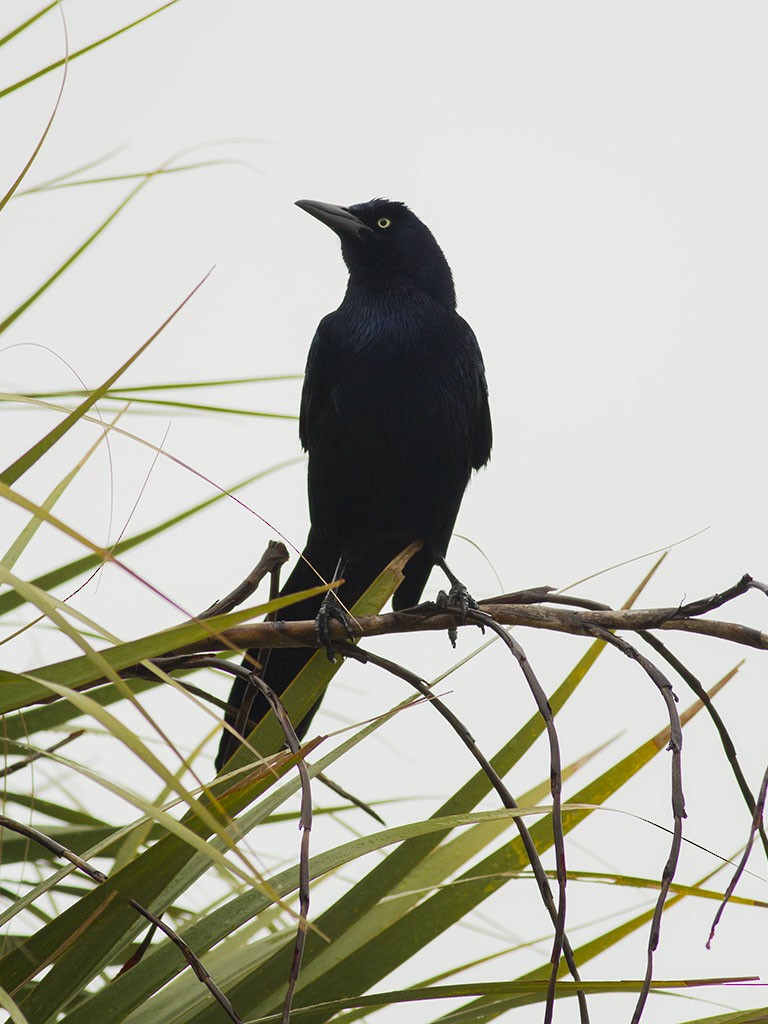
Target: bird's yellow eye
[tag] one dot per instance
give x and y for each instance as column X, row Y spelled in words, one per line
column 383, row 223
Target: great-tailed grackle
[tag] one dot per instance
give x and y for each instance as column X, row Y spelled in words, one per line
column 394, row 416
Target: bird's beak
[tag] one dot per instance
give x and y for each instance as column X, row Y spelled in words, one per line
column 337, row 218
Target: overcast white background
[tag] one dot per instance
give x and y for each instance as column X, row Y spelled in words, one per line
column 595, row 173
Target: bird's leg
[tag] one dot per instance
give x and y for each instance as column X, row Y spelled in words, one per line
column 457, row 599
column 330, row 609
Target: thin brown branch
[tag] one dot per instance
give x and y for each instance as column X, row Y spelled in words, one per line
column 708, row 604
column 431, row 617
column 52, row 846
column 275, row 555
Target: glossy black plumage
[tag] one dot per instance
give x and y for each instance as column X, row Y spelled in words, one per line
column 394, row 416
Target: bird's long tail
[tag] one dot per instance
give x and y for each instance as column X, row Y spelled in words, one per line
column 318, row 562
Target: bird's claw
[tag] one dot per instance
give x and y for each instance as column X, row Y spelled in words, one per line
column 331, row 610
column 459, row 601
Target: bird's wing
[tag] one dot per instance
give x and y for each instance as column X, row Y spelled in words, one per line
column 320, row 376
column 483, row 432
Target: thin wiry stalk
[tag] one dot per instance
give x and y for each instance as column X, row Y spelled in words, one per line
column 536, row 595
column 756, row 819
column 194, row 961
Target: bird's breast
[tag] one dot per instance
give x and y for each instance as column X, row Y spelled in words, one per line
column 394, row 451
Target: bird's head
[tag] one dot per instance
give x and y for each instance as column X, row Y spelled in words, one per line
column 384, row 244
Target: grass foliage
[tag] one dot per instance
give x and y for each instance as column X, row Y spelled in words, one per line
column 184, row 850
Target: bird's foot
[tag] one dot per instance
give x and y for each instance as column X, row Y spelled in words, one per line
column 457, row 600
column 331, row 610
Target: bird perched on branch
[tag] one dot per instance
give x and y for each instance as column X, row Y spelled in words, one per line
column 394, row 416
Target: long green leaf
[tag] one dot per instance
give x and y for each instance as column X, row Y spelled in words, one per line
column 71, row 570
column 122, row 391
column 110, row 179
column 228, row 410
column 24, row 462
column 52, row 810
column 348, row 913
column 25, row 24
column 97, row 161
column 78, row 53
column 757, row 1016
column 21, row 542
column 22, row 307
column 15, row 1013
column 53, row 716
column 44, row 135
column 495, row 989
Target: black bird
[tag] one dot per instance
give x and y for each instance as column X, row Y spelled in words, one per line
column 394, row 416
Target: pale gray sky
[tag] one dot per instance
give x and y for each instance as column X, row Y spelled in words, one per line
column 595, row 173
